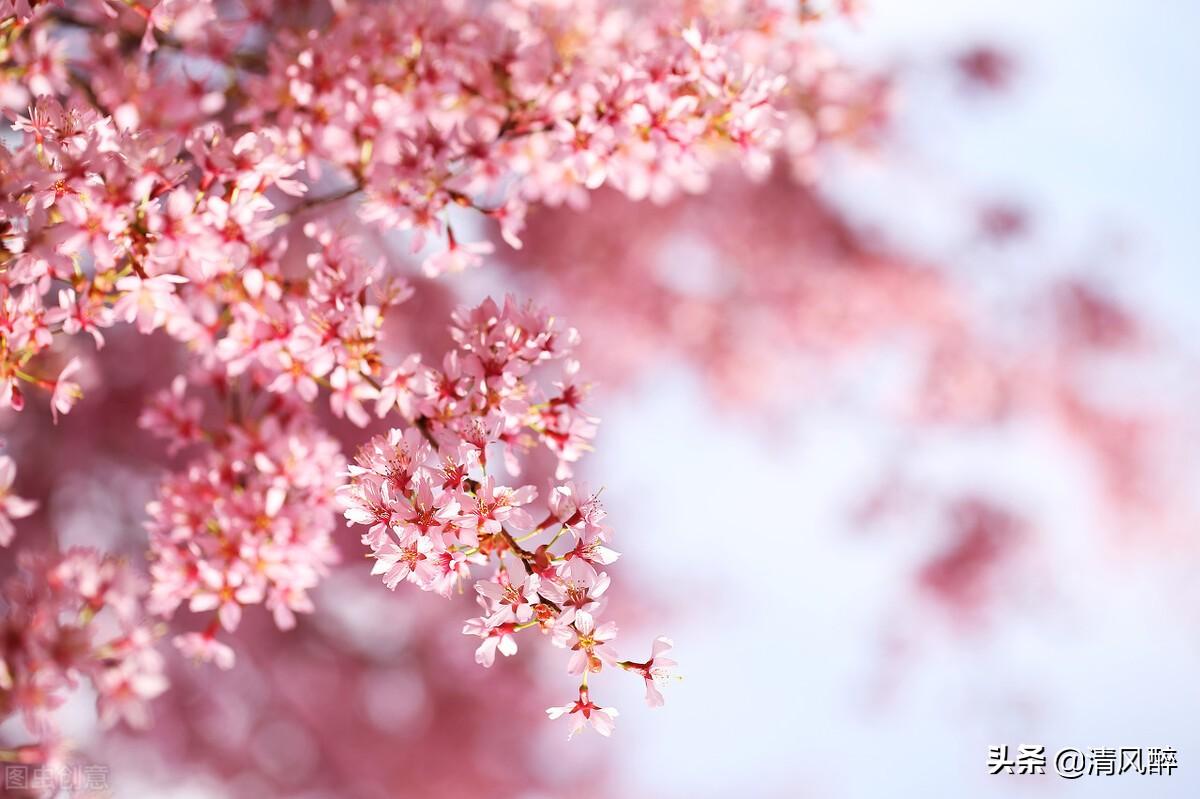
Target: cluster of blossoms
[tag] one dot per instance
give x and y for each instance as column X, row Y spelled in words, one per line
column 72, row 617
column 143, row 194
column 296, row 335
column 98, row 228
column 164, row 165
column 434, row 509
column 247, row 522
column 451, row 104
column 497, row 105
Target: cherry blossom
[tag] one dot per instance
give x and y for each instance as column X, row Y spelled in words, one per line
column 51, row 639
column 430, row 497
column 66, row 393
column 249, row 521
column 496, row 638
column 244, row 179
column 204, row 647
column 583, row 712
column 654, row 671
column 513, row 602
column 11, row 505
column 578, row 588
column 587, row 643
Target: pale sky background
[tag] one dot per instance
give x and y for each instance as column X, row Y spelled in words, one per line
column 789, row 688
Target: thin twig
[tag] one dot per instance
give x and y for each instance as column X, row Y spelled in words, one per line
column 315, row 202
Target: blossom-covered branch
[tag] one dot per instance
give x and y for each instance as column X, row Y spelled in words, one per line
column 215, row 171
column 430, row 497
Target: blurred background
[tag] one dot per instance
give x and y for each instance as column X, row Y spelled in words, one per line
column 835, row 658
column 898, row 445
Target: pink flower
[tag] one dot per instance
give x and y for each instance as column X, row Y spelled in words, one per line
column 428, row 510
column 151, row 302
column 451, row 569
column 11, row 506
column 224, row 593
column 364, row 502
column 78, row 314
column 491, row 506
column 575, row 508
column 171, row 415
column 66, row 393
column 126, row 686
column 510, row 601
column 400, row 388
column 582, row 514
column 585, row 712
column 204, row 647
column 496, row 637
column 591, row 548
column 79, row 616
column 587, row 643
column 456, row 465
column 249, row 521
column 301, row 366
column 397, row 564
column 655, row 671
column 346, row 397
column 576, row 588
column 457, row 257
column 165, row 192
